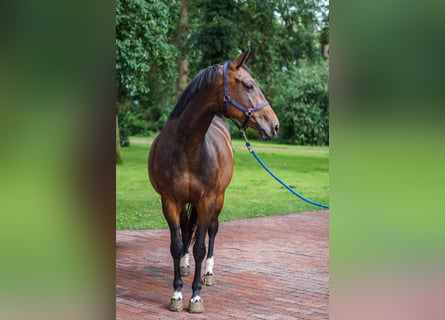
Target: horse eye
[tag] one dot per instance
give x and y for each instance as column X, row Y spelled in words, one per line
column 248, row 86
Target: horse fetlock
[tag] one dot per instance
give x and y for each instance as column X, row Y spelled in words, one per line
column 177, row 295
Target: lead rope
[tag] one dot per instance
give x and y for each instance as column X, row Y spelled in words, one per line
column 284, row 184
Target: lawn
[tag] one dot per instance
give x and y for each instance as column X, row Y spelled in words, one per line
column 252, row 192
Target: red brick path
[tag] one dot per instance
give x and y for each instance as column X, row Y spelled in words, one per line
column 265, row 268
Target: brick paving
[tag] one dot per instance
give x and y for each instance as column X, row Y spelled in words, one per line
column 265, row 268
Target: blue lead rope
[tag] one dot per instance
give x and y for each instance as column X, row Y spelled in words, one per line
column 284, row 184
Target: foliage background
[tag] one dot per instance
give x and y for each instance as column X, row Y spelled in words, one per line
column 155, row 37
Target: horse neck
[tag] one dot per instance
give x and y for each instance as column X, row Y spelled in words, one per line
column 196, row 118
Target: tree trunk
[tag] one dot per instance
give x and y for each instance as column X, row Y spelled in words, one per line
column 325, row 50
column 118, row 143
column 182, row 81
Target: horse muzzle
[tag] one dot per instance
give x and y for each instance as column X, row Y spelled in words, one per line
column 268, row 132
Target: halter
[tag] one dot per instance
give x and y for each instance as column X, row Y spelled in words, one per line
column 227, row 99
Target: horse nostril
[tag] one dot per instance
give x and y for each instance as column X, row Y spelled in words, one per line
column 276, row 128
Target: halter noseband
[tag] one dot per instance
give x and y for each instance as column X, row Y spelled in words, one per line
column 227, row 99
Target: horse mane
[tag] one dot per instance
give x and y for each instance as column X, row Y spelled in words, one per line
column 204, row 79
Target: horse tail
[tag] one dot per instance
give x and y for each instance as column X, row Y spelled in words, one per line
column 193, row 218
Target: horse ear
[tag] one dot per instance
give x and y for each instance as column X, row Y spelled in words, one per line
column 242, row 59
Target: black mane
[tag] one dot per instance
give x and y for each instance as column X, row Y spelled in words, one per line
column 204, row 79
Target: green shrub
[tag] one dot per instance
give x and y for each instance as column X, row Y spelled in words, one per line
column 235, row 133
column 301, row 101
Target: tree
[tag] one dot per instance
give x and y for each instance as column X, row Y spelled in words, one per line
column 279, row 33
column 303, row 96
column 118, row 145
column 145, row 57
column 215, row 33
column 324, row 37
column 160, row 43
column 182, row 34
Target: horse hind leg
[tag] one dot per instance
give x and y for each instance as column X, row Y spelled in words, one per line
column 196, row 304
column 209, row 278
column 172, row 214
column 176, row 249
column 185, row 257
column 208, row 222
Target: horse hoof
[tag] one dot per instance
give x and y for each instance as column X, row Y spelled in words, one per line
column 208, row 280
column 196, row 307
column 185, row 271
column 176, row 305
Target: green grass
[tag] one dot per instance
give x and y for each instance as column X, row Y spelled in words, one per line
column 252, row 192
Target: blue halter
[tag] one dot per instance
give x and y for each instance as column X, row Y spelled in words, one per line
column 227, row 99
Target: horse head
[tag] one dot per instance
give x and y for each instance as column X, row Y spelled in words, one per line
column 244, row 100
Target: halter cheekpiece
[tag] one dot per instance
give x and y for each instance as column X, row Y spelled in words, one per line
column 227, row 99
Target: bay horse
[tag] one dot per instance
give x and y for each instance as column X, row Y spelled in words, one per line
column 191, row 163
